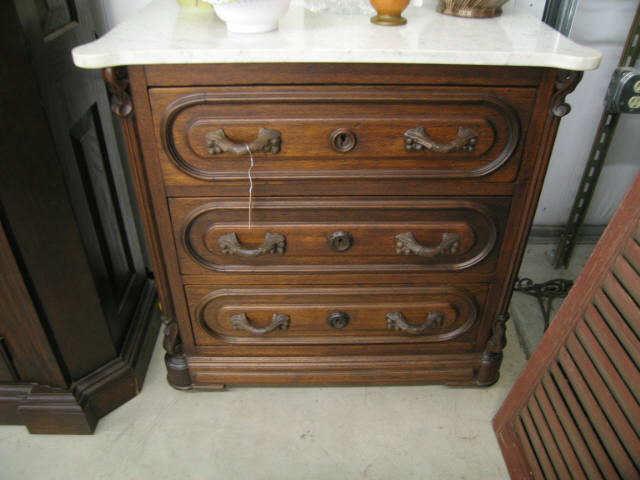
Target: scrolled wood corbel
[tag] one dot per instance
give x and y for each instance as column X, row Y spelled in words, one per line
column 566, row 82
column 118, row 85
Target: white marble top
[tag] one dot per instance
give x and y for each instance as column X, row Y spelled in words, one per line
column 162, row 33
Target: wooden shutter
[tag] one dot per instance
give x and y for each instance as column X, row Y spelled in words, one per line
column 575, row 410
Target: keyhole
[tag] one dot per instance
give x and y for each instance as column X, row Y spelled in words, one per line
column 343, row 140
column 340, row 241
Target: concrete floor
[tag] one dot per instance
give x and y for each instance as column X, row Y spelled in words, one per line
column 526, row 315
column 395, row 433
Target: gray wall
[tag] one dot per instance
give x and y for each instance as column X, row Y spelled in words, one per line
column 603, row 25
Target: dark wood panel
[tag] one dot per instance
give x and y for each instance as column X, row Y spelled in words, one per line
column 452, row 234
column 336, row 187
column 41, row 199
column 345, row 73
column 7, row 369
column 68, row 247
column 303, row 120
column 115, row 262
column 24, row 340
column 88, row 162
column 380, row 278
column 55, row 16
column 334, row 315
column 331, row 370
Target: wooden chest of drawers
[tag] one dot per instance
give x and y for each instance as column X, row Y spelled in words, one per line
column 389, row 210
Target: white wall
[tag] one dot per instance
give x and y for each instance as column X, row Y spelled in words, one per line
column 115, row 11
column 601, row 24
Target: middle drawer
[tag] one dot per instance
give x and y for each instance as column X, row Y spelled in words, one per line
column 365, row 234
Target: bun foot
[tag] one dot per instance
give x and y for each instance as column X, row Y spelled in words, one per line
column 489, row 371
column 178, row 372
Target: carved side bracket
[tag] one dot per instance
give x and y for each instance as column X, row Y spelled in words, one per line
column 488, row 372
column 498, row 341
column 171, row 341
column 566, row 82
column 176, row 362
column 118, row 85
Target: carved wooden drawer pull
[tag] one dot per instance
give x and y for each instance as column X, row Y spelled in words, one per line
column 273, row 243
column 279, row 321
column 397, row 321
column 267, row 141
column 406, row 244
column 417, row 139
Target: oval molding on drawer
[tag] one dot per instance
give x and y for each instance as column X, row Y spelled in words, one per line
column 446, row 234
column 307, row 118
column 306, row 309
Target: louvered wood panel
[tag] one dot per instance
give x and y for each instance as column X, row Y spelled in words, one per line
column 574, row 413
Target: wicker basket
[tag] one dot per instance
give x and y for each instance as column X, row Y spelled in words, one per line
column 472, row 8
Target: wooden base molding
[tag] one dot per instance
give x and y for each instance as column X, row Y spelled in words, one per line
column 76, row 410
column 454, row 370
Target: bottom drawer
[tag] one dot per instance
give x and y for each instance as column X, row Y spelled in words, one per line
column 335, row 315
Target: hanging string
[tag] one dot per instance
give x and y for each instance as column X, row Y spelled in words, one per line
column 250, row 175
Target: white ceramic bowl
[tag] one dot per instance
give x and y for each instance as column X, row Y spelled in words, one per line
column 251, row 16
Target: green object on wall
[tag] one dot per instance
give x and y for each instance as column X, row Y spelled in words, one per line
column 196, row 4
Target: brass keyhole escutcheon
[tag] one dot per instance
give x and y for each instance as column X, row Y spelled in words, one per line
column 340, row 241
column 338, row 320
column 343, row 140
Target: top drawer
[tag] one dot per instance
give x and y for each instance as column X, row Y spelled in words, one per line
column 340, row 132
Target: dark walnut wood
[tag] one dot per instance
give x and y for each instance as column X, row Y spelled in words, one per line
column 295, row 235
column 310, row 311
column 390, row 210
column 305, row 120
column 78, row 310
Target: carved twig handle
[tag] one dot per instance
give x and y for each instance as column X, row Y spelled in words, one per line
column 397, row 321
column 267, row 141
column 273, row 243
column 406, row 244
column 418, row 139
column 240, row 321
